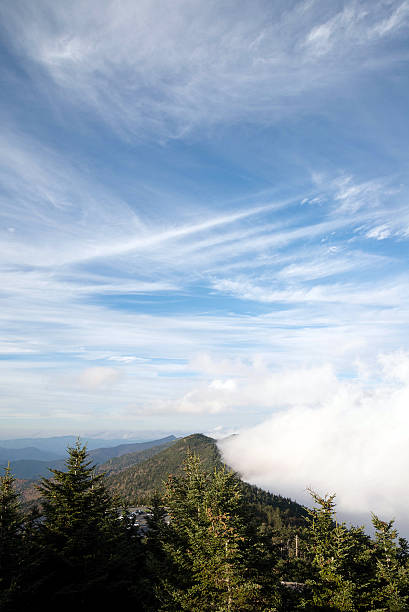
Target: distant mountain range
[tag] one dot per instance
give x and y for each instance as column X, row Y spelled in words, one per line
column 32, row 463
column 58, row 444
column 28, row 452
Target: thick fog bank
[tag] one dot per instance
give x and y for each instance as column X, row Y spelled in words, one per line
column 353, row 441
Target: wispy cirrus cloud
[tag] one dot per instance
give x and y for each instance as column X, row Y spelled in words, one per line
column 389, row 295
column 189, row 178
column 235, row 61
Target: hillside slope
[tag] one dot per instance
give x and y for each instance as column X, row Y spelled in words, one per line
column 123, row 472
column 138, row 483
column 118, row 464
column 101, row 455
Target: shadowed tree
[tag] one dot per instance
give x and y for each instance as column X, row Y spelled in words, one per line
column 87, row 555
column 11, row 539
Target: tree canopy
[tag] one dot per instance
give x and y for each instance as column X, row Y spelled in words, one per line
column 209, row 546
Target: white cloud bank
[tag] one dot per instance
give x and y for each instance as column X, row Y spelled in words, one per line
column 353, row 440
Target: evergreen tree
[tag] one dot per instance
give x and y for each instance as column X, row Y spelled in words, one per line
column 206, row 545
column 157, row 565
column 85, row 551
column 330, row 545
column 157, row 524
column 391, row 583
column 11, row 539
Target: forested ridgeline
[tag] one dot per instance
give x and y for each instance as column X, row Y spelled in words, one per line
column 213, row 544
column 142, row 477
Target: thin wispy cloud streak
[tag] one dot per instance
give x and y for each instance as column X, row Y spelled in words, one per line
column 194, row 196
column 247, row 62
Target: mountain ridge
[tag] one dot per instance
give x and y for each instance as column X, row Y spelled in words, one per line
column 136, row 476
column 137, row 484
column 58, row 444
column 101, row 455
column 27, row 452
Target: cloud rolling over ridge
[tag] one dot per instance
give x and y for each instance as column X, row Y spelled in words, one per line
column 353, row 441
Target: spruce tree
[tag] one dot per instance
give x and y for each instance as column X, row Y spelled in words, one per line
column 86, row 552
column 391, row 582
column 206, row 545
column 157, row 565
column 330, row 546
column 11, row 539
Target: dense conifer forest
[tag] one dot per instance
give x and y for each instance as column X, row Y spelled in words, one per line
column 213, row 543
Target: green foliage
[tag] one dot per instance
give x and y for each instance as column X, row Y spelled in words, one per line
column 205, row 544
column 213, row 543
column 140, row 482
column 11, row 520
column 82, row 543
column 11, row 538
column 392, row 574
column 77, row 507
column 349, row 571
column 273, row 509
column 340, row 560
column 158, row 565
column 118, row 464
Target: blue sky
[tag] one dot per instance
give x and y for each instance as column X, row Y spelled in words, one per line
column 197, row 201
